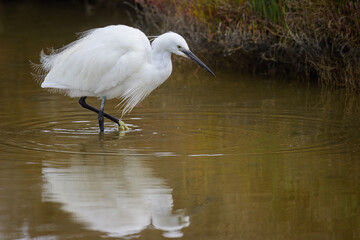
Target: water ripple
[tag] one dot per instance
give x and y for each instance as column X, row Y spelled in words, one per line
column 205, row 132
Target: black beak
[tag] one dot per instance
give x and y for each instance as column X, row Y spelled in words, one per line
column 197, row 60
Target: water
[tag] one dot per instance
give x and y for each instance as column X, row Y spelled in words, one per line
column 232, row 157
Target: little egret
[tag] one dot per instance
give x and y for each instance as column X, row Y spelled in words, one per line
column 112, row 62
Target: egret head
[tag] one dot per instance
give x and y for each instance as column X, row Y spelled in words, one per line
column 176, row 44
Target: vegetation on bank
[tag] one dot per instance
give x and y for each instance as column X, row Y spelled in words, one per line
column 308, row 39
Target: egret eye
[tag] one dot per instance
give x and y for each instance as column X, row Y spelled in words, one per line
column 179, row 47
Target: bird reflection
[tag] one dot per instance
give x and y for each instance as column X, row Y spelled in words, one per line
column 121, row 199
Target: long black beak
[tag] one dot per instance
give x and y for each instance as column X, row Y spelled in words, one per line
column 197, row 60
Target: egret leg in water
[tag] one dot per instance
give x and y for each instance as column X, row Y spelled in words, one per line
column 102, row 114
column 113, row 62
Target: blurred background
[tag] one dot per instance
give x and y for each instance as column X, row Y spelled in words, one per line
column 250, row 154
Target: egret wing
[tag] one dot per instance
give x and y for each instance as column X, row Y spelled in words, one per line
column 100, row 60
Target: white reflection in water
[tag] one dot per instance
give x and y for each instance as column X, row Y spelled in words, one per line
column 120, row 200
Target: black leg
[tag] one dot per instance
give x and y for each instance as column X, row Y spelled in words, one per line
column 101, row 115
column 91, row 108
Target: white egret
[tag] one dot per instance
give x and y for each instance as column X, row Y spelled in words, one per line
column 112, row 62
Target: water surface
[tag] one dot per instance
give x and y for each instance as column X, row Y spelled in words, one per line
column 232, row 157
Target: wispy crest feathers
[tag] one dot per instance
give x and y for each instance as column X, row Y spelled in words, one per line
column 152, row 38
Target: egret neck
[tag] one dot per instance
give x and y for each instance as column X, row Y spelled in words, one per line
column 160, row 54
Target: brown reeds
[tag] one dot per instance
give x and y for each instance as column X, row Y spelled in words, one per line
column 309, row 39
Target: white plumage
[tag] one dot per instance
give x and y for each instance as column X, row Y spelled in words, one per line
column 113, row 62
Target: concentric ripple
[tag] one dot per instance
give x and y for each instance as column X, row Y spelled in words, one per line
column 210, row 132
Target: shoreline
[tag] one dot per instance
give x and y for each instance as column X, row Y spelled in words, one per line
column 310, row 41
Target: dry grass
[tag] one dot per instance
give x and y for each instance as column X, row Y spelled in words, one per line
column 312, row 40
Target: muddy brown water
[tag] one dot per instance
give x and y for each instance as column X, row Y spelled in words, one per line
column 231, row 157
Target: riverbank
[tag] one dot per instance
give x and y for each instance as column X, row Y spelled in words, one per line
column 308, row 40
